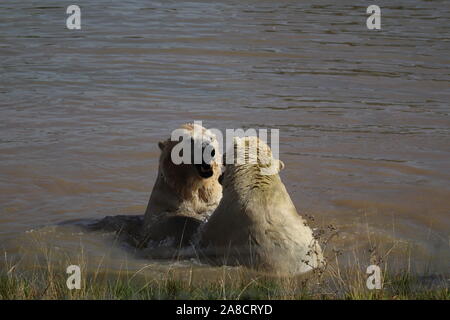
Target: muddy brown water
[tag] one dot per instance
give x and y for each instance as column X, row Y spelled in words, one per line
column 363, row 116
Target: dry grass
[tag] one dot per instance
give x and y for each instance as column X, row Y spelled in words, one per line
column 333, row 282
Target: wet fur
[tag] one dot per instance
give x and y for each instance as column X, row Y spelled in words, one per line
column 257, row 225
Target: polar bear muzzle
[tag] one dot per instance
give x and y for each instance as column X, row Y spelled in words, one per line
column 205, row 169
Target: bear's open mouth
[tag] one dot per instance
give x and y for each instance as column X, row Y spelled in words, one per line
column 204, row 170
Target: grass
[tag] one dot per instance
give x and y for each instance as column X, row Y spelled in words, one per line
column 189, row 283
column 46, row 278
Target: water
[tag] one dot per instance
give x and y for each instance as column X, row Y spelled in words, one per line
column 363, row 115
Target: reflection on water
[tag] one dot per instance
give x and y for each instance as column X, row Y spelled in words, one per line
column 363, row 115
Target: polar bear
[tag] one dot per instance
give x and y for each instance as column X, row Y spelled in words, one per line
column 181, row 199
column 184, row 194
column 256, row 223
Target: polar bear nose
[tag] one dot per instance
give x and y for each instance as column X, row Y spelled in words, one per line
column 205, row 170
column 205, row 166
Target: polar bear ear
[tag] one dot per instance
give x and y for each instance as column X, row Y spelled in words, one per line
column 281, row 164
column 161, row 145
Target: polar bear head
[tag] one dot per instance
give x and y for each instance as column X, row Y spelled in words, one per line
column 252, row 156
column 192, row 153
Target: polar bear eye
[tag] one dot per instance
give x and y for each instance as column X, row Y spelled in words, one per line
column 213, row 153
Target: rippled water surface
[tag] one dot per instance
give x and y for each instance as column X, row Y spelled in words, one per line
column 363, row 115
